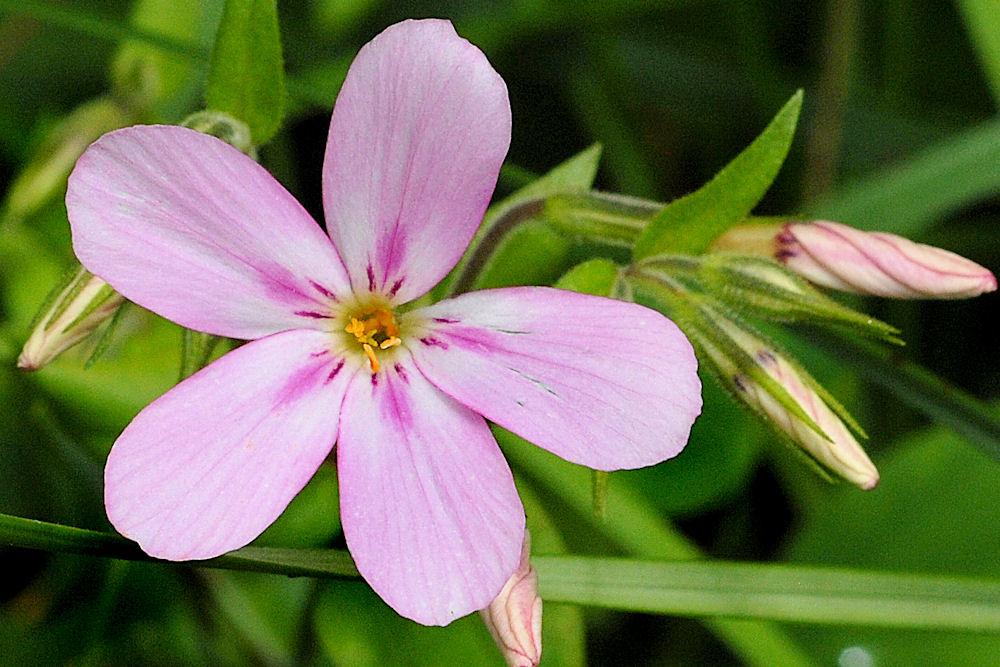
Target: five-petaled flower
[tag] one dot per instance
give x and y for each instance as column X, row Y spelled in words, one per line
column 187, row 226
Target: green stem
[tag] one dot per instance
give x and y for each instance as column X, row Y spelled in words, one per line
column 31, row 534
column 795, row 593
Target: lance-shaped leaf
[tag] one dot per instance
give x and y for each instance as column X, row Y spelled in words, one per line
column 689, row 225
column 246, row 78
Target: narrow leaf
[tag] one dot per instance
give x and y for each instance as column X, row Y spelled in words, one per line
column 795, row 593
column 906, row 198
column 689, row 225
column 246, row 78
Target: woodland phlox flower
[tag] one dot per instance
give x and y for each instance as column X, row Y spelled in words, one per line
column 188, row 227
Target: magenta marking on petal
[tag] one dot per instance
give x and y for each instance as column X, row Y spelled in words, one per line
column 402, row 373
column 374, row 379
column 335, row 370
column 446, row 320
column 395, row 287
column 309, row 313
column 324, row 291
column 430, row 341
column 371, row 278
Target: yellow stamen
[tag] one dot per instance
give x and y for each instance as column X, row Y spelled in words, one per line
column 375, row 329
column 372, row 359
column 389, row 342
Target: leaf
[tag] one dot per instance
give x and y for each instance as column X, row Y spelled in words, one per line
column 595, row 276
column 802, row 594
column 906, row 198
column 689, row 225
column 531, row 254
column 935, row 512
column 246, row 78
column 982, row 18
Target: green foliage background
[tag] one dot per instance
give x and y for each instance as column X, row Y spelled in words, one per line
column 899, row 132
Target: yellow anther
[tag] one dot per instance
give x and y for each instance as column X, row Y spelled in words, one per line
column 389, row 342
column 372, row 359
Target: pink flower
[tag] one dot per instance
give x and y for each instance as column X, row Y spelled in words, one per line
column 514, row 618
column 187, row 226
column 840, row 257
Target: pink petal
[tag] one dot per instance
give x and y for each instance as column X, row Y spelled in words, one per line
column 427, row 501
column 189, row 227
column 599, row 382
column 418, row 134
column 209, row 465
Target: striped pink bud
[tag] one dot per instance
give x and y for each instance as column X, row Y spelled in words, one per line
column 514, row 618
column 840, row 257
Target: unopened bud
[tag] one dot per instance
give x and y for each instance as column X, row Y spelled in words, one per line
column 71, row 314
column 514, row 618
column 840, row 257
column 758, row 365
column 46, row 172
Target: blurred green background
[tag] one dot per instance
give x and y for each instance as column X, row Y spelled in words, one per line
column 899, row 132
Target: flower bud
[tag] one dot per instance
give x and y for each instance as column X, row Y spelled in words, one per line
column 514, row 618
column 840, row 257
column 45, row 174
column 774, row 387
column 71, row 314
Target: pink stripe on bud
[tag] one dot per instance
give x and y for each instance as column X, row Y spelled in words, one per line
column 840, row 257
column 514, row 618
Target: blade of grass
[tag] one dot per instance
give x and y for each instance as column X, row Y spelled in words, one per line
column 799, row 594
column 921, row 389
column 909, row 197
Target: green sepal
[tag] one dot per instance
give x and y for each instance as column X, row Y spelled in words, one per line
column 601, row 217
column 246, row 77
column 704, row 323
column 196, row 351
column 595, row 276
column 574, row 175
column 689, row 225
column 107, row 336
column 221, row 125
column 757, row 287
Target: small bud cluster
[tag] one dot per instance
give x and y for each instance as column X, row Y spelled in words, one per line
column 770, row 270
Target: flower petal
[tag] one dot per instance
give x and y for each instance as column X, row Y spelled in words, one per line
column 206, row 467
column 599, row 382
column 420, row 128
column 189, row 227
column 427, row 501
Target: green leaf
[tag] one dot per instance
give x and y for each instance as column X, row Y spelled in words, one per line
column 982, row 18
column 689, row 225
column 531, row 254
column 595, row 276
column 918, row 387
column 908, row 197
column 801, row 594
column 246, row 78
column 936, row 511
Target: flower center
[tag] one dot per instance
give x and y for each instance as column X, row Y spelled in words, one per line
column 375, row 329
